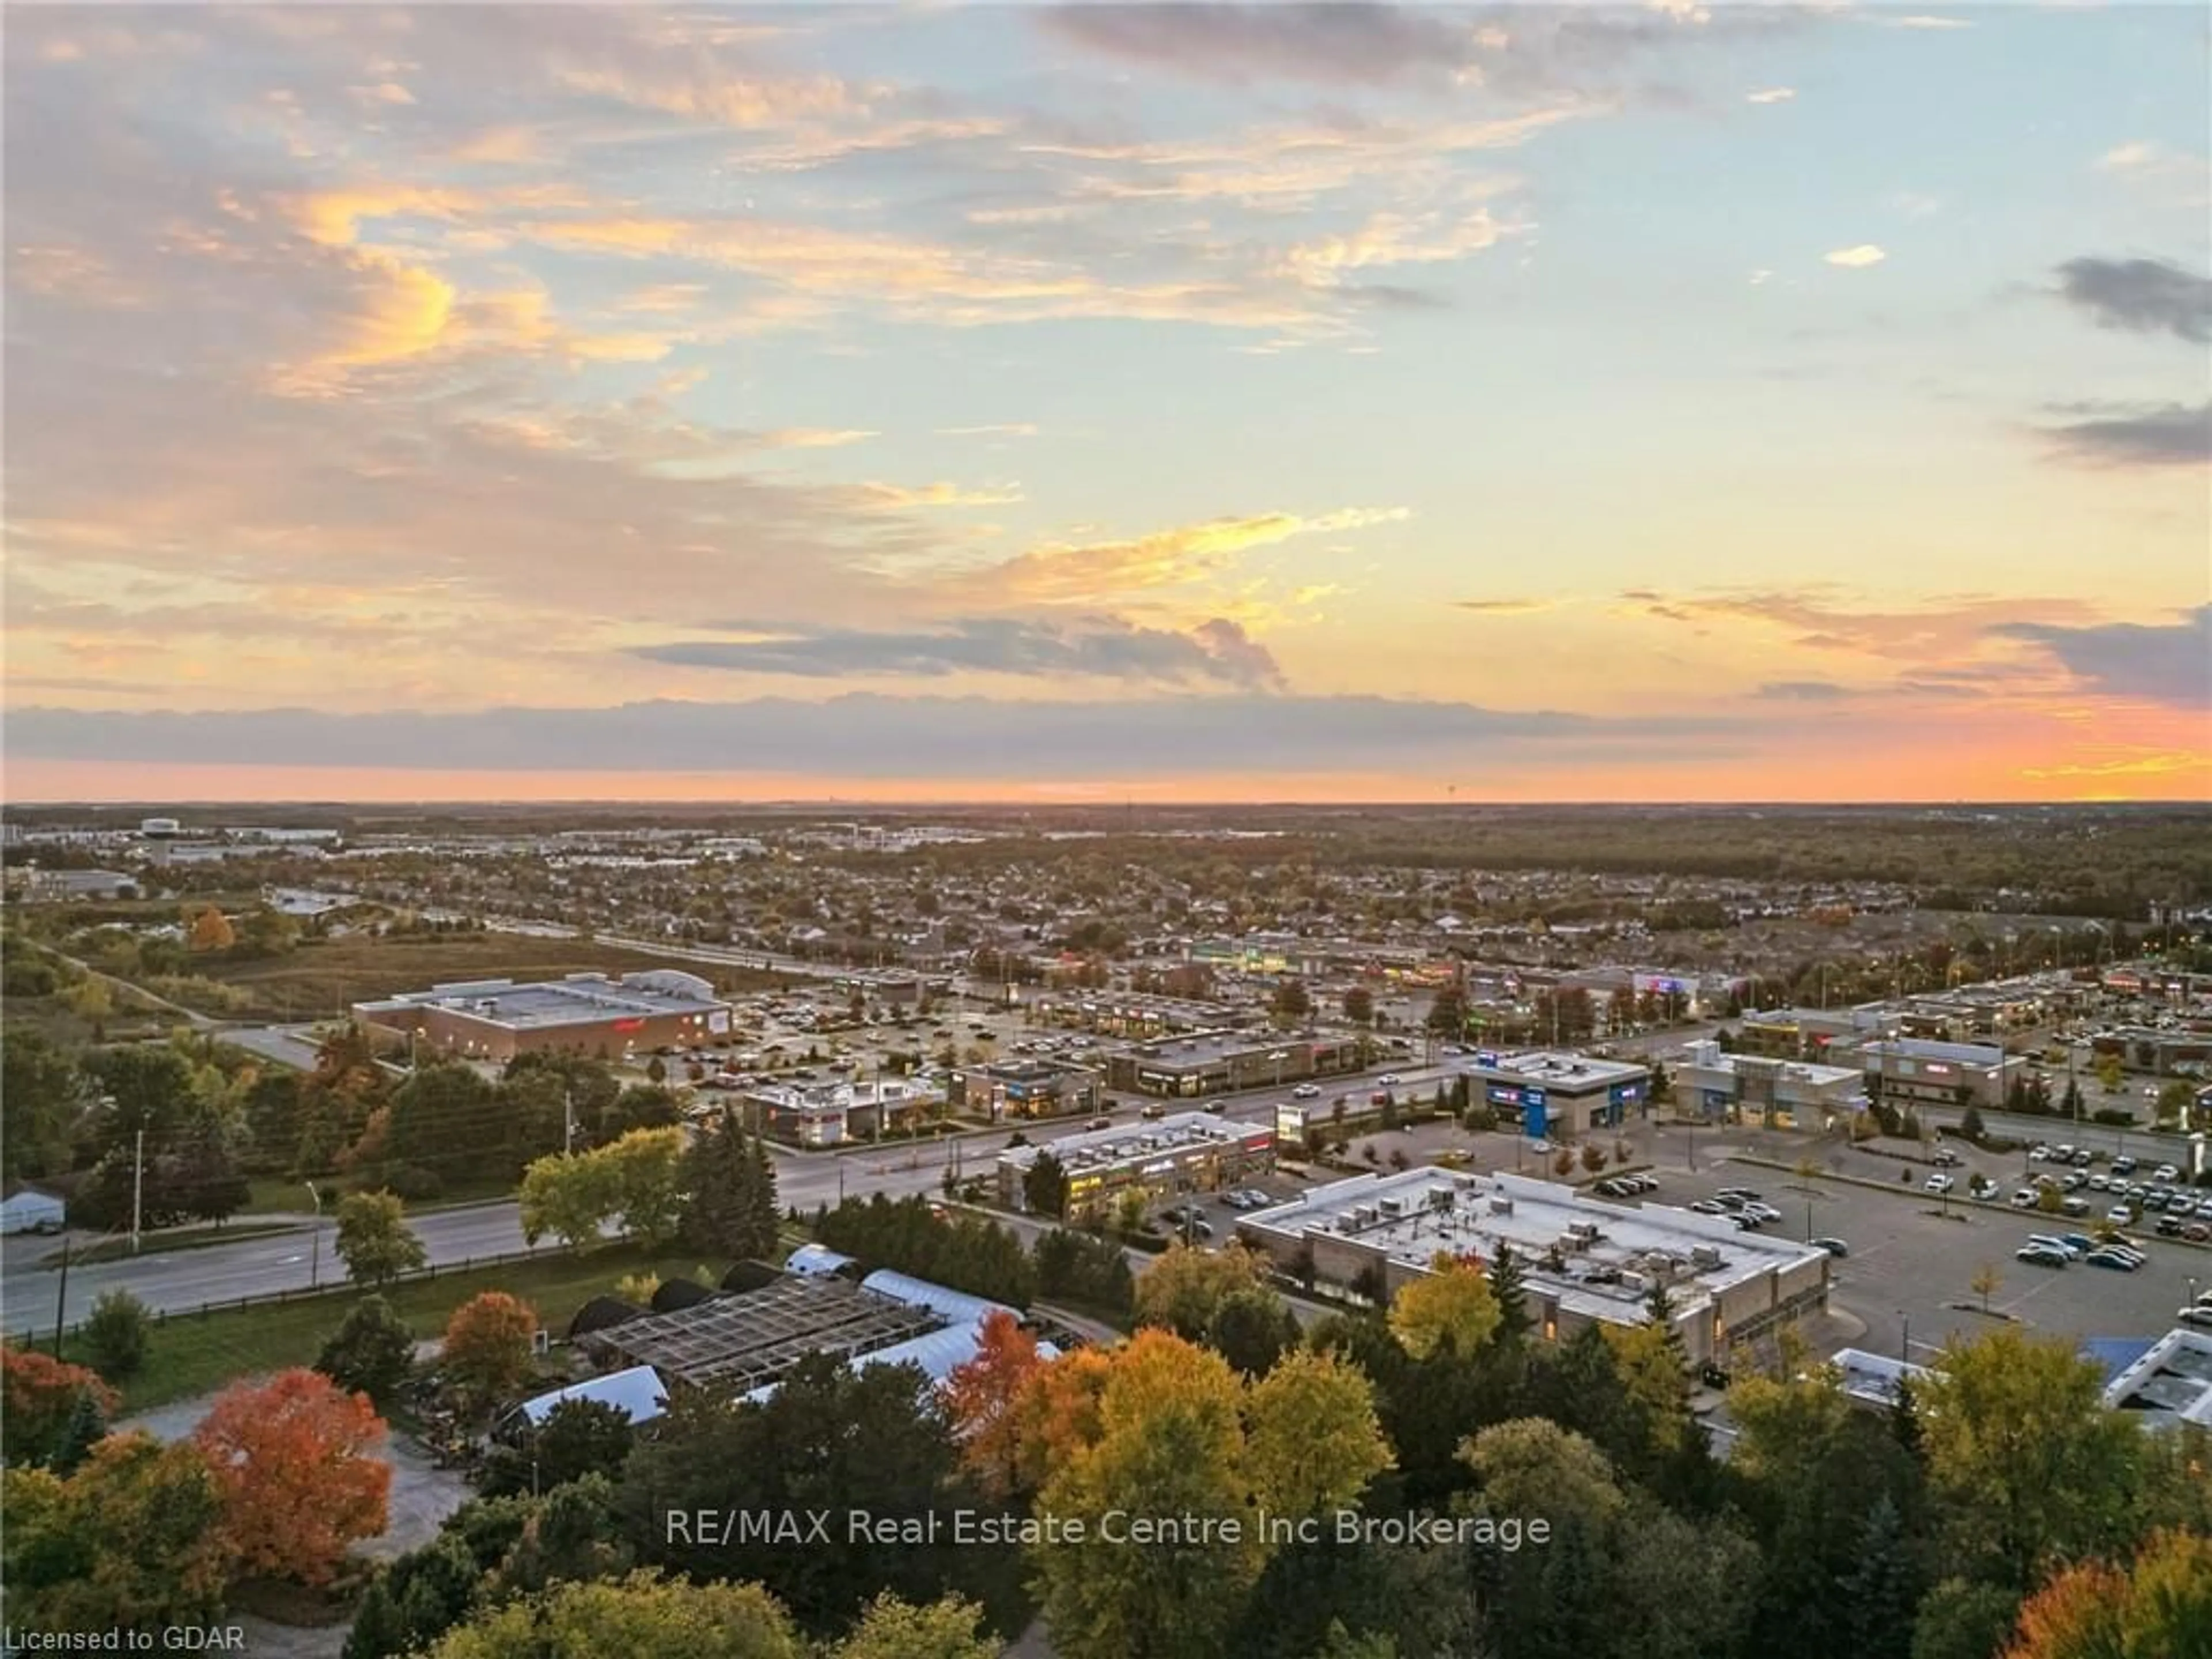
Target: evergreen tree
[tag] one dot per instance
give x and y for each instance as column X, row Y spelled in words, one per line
column 86, row 1427
column 760, row 1211
column 1508, row 1286
column 1044, row 1187
column 712, row 1176
column 2073, row 1097
column 1879, row 1595
column 379, row 1629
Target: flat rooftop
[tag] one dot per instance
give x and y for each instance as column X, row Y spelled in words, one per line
column 1795, row 1071
column 1559, row 1069
column 1197, row 1048
column 1609, row 1254
column 1025, row 1070
column 1143, row 1002
column 2171, row 1383
column 834, row 1098
column 578, row 1000
column 1960, row 1054
column 752, row 1338
column 1186, row 1132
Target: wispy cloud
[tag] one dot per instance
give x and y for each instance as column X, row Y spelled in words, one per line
column 939, row 494
column 1802, row 692
column 1771, row 95
column 1093, row 573
column 1506, row 607
column 2156, row 436
column 1218, row 651
column 1009, row 430
column 812, row 437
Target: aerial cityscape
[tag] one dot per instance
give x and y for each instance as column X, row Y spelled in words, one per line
column 937, row 831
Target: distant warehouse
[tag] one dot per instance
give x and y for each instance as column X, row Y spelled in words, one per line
column 582, row 1014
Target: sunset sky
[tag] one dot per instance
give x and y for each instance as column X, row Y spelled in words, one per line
column 1109, row 402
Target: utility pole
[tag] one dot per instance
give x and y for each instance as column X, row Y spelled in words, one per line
column 137, row 1185
column 60, row 1299
column 315, row 1267
column 569, row 1117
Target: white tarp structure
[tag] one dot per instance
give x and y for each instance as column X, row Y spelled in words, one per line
column 27, row 1210
column 816, row 1260
column 955, row 1306
column 636, row 1393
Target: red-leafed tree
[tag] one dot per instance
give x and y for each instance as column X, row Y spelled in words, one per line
column 983, row 1396
column 40, row 1396
column 487, row 1349
column 294, row 1459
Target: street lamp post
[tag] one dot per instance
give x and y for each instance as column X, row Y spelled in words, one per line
column 315, row 1266
column 1904, row 1341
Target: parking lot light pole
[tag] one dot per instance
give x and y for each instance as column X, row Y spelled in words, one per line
column 1904, row 1341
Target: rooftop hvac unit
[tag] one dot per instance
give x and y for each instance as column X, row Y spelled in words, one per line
column 1635, row 1284
column 1348, row 1224
column 1705, row 1256
column 1585, row 1230
column 1366, row 1215
column 1501, row 1205
column 1391, row 1206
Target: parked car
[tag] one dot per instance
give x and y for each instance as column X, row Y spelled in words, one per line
column 2196, row 1314
column 1762, row 1212
column 2119, row 1215
column 2124, row 1165
column 2024, row 1199
column 2076, row 1207
column 2052, row 1241
column 1945, row 1158
column 2042, row 1255
column 2168, row 1227
column 2167, row 1172
column 2112, row 1260
column 1706, row 1206
column 1939, row 1183
column 1834, row 1247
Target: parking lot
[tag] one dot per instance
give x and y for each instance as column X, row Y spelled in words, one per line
column 1912, row 1253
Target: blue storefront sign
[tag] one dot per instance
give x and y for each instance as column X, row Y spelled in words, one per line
column 1534, row 1112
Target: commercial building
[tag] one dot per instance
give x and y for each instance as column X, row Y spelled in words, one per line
column 1556, row 1093
column 1190, row 1152
column 833, row 1114
column 886, row 988
column 1875, row 1380
column 1025, row 1089
column 1223, row 1062
column 1737, row 1088
column 1139, row 1014
column 590, row 1014
column 1804, row 1033
column 1909, row 1071
column 2170, row 1384
column 1584, row 1262
column 2158, row 1050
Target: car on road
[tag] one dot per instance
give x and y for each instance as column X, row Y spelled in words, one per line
column 1306, row 1092
column 1217, row 1107
column 2042, row 1255
column 1939, row 1183
column 1102, row 1121
column 1389, row 1079
column 1945, row 1158
column 1834, row 1247
column 1154, row 1110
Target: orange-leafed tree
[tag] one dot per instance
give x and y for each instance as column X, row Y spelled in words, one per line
column 211, row 932
column 1058, row 1412
column 488, row 1342
column 293, row 1458
column 2159, row 1608
column 40, row 1396
column 984, row 1397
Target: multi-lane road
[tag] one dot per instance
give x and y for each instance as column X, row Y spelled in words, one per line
column 32, row 1294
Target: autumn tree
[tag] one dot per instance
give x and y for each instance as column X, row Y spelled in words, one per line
column 2160, row 1606
column 1057, row 1412
column 1184, row 1289
column 643, row 1616
column 1449, row 1310
column 1171, row 1442
column 292, row 1459
column 488, row 1346
column 373, row 1239
column 1312, row 1441
column 130, row 1542
column 891, row 1629
column 210, row 931
column 2025, row 1463
column 984, row 1396
column 38, row 1394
